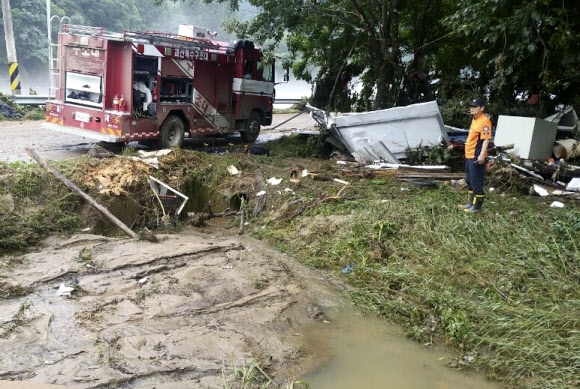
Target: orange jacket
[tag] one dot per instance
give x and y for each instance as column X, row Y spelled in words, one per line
column 479, row 130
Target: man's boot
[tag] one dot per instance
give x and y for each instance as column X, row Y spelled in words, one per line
column 477, row 203
column 470, row 198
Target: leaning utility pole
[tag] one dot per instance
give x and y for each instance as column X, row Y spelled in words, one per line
column 10, row 48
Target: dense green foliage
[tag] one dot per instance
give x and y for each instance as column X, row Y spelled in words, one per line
column 520, row 49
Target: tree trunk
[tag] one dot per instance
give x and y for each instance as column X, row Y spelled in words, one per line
column 389, row 53
column 395, row 60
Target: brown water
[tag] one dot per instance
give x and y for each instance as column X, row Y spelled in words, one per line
column 365, row 352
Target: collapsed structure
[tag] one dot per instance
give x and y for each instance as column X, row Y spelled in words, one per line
column 386, row 134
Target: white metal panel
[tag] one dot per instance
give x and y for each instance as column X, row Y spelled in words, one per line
column 253, row 86
column 532, row 138
column 397, row 128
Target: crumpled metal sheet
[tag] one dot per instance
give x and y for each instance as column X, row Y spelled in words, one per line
column 386, row 134
column 375, row 152
column 397, row 128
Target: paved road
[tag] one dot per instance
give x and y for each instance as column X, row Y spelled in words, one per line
column 17, row 135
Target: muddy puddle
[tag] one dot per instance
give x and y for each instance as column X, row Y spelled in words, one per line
column 365, row 352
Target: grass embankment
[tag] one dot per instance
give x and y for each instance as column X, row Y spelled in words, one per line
column 500, row 286
column 33, row 204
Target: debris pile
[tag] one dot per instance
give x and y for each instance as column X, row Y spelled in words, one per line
column 9, row 112
column 404, row 142
column 410, row 144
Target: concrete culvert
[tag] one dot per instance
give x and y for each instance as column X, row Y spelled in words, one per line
column 235, row 201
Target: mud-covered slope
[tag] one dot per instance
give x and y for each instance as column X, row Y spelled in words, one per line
column 183, row 311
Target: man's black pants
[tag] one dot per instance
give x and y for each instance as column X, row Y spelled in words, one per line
column 475, row 175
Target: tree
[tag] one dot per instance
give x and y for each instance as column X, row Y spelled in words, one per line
column 332, row 43
column 113, row 15
column 522, row 48
column 29, row 20
column 29, row 23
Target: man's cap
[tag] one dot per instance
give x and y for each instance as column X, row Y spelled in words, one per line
column 476, row 102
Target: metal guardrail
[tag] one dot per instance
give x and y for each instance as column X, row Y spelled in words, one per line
column 29, row 99
column 286, row 101
column 41, row 100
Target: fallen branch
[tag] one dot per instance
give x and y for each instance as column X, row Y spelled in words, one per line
column 200, row 219
column 343, row 188
column 318, row 177
column 383, row 173
column 85, row 196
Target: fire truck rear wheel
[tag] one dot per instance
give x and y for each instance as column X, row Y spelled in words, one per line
column 172, row 132
column 252, row 128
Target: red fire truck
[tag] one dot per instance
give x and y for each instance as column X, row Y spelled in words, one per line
column 160, row 87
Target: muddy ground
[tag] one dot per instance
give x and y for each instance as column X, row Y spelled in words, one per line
column 90, row 311
column 174, row 314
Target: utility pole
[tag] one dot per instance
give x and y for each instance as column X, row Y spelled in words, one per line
column 11, row 48
column 50, row 53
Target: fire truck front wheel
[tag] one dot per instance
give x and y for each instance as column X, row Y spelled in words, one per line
column 250, row 134
column 172, row 132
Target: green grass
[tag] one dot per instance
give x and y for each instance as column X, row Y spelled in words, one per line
column 501, row 285
column 36, row 204
column 253, row 376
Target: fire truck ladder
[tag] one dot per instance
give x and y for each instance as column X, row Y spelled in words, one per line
column 76, row 29
column 53, row 61
column 161, row 39
column 154, row 38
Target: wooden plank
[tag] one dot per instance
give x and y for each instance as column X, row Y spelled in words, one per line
column 433, row 176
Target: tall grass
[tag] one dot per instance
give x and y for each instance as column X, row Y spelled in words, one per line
column 501, row 285
column 39, row 204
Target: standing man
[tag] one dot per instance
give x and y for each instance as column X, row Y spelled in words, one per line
column 475, row 155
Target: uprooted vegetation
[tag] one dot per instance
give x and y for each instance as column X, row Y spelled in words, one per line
column 501, row 287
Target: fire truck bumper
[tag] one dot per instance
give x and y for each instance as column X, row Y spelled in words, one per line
column 103, row 137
